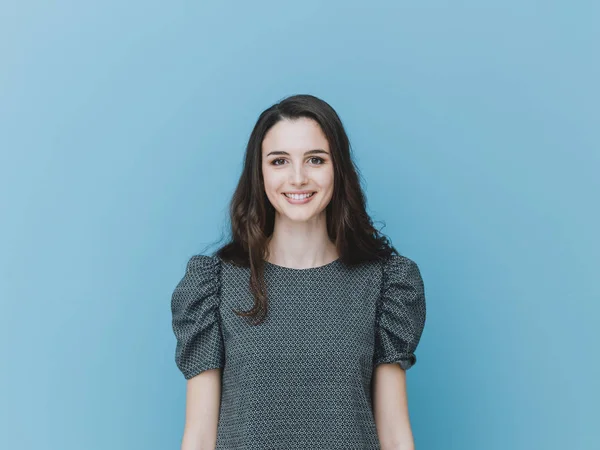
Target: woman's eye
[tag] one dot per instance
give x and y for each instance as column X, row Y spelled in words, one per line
column 319, row 161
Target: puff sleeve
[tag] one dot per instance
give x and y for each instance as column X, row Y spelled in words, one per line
column 195, row 317
column 400, row 313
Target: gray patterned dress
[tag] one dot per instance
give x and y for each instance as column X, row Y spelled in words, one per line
column 301, row 379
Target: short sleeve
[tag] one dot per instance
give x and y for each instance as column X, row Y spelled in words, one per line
column 400, row 313
column 195, row 317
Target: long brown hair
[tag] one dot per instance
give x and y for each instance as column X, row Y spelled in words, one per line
column 252, row 216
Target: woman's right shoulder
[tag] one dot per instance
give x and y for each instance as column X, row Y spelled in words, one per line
column 204, row 260
column 201, row 268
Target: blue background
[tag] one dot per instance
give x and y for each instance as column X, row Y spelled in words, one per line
column 475, row 125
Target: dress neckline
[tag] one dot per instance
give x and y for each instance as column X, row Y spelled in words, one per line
column 307, row 269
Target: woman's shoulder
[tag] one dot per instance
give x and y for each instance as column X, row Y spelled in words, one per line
column 401, row 279
column 397, row 261
column 398, row 268
column 194, row 307
column 201, row 269
column 201, row 260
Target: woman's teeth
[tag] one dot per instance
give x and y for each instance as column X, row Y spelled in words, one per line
column 299, row 196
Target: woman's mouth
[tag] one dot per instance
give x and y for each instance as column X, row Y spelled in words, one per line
column 298, row 198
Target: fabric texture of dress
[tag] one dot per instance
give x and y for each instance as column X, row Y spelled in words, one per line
column 302, row 378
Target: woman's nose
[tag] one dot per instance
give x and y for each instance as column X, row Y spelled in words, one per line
column 299, row 174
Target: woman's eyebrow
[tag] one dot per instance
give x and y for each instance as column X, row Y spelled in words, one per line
column 309, row 152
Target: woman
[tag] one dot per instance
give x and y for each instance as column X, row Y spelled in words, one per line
column 298, row 332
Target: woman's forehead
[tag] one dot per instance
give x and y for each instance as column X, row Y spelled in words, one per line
column 295, row 137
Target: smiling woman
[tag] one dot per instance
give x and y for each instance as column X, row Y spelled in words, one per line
column 294, row 176
column 298, row 332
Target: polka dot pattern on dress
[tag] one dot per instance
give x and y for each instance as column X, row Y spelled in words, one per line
column 302, row 378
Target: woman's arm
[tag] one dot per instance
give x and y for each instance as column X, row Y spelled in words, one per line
column 390, row 408
column 203, row 398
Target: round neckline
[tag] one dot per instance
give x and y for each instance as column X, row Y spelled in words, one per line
column 307, row 269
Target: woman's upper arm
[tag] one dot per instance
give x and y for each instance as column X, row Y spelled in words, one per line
column 203, row 397
column 401, row 316
column 199, row 352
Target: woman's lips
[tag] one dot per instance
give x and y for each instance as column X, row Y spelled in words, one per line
column 300, row 201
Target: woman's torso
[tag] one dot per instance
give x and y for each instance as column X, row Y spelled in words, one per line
column 302, row 378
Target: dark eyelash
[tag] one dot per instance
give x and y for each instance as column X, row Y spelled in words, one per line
column 321, row 160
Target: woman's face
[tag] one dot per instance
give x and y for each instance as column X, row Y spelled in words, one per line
column 296, row 157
